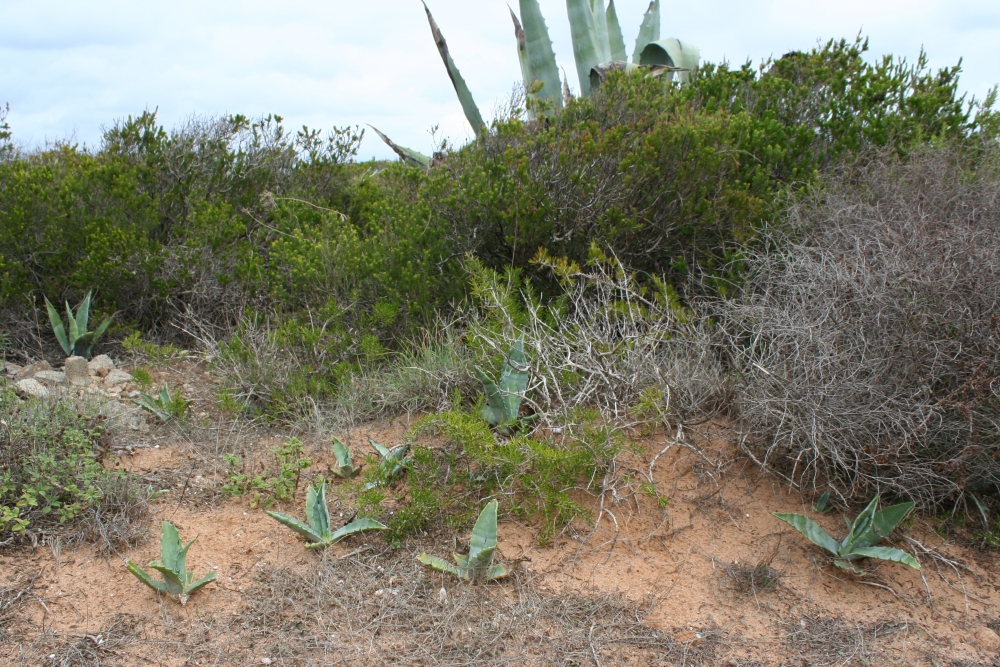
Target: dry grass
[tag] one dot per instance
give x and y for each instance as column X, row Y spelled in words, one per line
column 820, row 641
column 870, row 347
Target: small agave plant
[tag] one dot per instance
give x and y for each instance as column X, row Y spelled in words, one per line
column 392, row 462
column 482, row 546
column 868, row 528
column 317, row 526
column 503, row 399
column 172, row 565
column 78, row 341
column 346, row 467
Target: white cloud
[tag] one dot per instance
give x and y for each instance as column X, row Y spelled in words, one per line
column 71, row 68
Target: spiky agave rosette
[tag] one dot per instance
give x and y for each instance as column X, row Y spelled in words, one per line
column 317, row 526
column 173, row 566
column 478, row 564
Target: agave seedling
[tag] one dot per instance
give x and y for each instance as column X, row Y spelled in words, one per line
column 79, row 342
column 482, row 546
column 868, row 528
column 503, row 399
column 172, row 565
column 317, row 526
column 345, row 464
column 166, row 405
column 392, row 462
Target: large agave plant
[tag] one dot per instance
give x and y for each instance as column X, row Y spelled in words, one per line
column 598, row 48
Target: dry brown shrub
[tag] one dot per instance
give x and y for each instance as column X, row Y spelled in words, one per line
column 869, row 343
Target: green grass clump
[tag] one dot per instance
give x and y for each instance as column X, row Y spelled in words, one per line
column 277, row 482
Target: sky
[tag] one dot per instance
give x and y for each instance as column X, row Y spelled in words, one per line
column 69, row 69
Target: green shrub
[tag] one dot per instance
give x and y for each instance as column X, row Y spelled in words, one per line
column 275, row 483
column 51, row 476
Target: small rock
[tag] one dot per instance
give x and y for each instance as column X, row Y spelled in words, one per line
column 30, row 370
column 11, row 368
column 32, row 388
column 50, row 378
column 101, row 365
column 77, row 373
column 988, row 640
column 117, row 378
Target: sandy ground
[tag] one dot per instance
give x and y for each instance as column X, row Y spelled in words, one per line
column 673, row 562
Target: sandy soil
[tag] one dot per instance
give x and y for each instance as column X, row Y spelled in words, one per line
column 675, row 563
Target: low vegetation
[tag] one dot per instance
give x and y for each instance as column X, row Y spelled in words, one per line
column 173, row 566
column 317, row 527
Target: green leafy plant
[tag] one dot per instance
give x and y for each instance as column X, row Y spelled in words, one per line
column 868, row 528
column 317, row 526
column 277, row 483
column 823, row 505
column 345, row 465
column 142, row 378
column 172, row 565
column 155, row 354
column 503, row 400
column 482, row 547
column 79, row 342
column 392, row 463
column 167, row 406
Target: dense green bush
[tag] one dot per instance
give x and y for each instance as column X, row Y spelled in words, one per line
column 664, row 176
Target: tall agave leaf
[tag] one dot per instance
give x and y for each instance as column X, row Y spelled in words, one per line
column 482, row 547
column 407, row 155
column 601, row 28
column 649, row 31
column 527, row 76
column 541, row 57
column 464, row 94
column 672, row 52
column 514, row 378
column 55, row 319
column 615, row 39
column 586, row 49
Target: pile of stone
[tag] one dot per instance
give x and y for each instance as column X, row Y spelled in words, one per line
column 98, row 376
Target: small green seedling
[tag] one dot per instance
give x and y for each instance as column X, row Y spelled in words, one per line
column 503, row 401
column 176, row 579
column 317, row 530
column 392, row 462
column 166, row 405
column 482, row 546
column 868, row 528
column 79, row 342
column 346, row 465
column 823, row 506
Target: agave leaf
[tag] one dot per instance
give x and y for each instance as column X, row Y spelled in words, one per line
column 586, row 50
column 514, row 380
column 317, row 512
column 498, row 571
column 442, row 565
column 74, row 330
column 173, row 582
column 883, row 523
column 527, row 76
column 844, row 565
column 811, row 531
column 464, row 94
column 672, row 52
column 101, row 329
column 180, row 565
column 494, row 410
column 192, row 588
column 889, row 554
column 296, row 525
column 83, row 314
column 482, row 563
column 615, row 39
column 355, row 527
column 484, row 533
column 821, row 505
column 382, row 451
column 170, row 545
column 862, row 525
column 601, row 28
column 398, row 453
column 57, row 328
column 463, row 561
column 541, row 57
column 649, row 31
column 407, row 155
column 144, row 577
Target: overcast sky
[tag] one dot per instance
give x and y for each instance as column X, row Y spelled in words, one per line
column 69, row 68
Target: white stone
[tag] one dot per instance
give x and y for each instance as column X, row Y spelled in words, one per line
column 101, row 365
column 77, row 373
column 50, row 378
column 10, row 368
column 29, row 370
column 117, row 378
column 31, row 387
